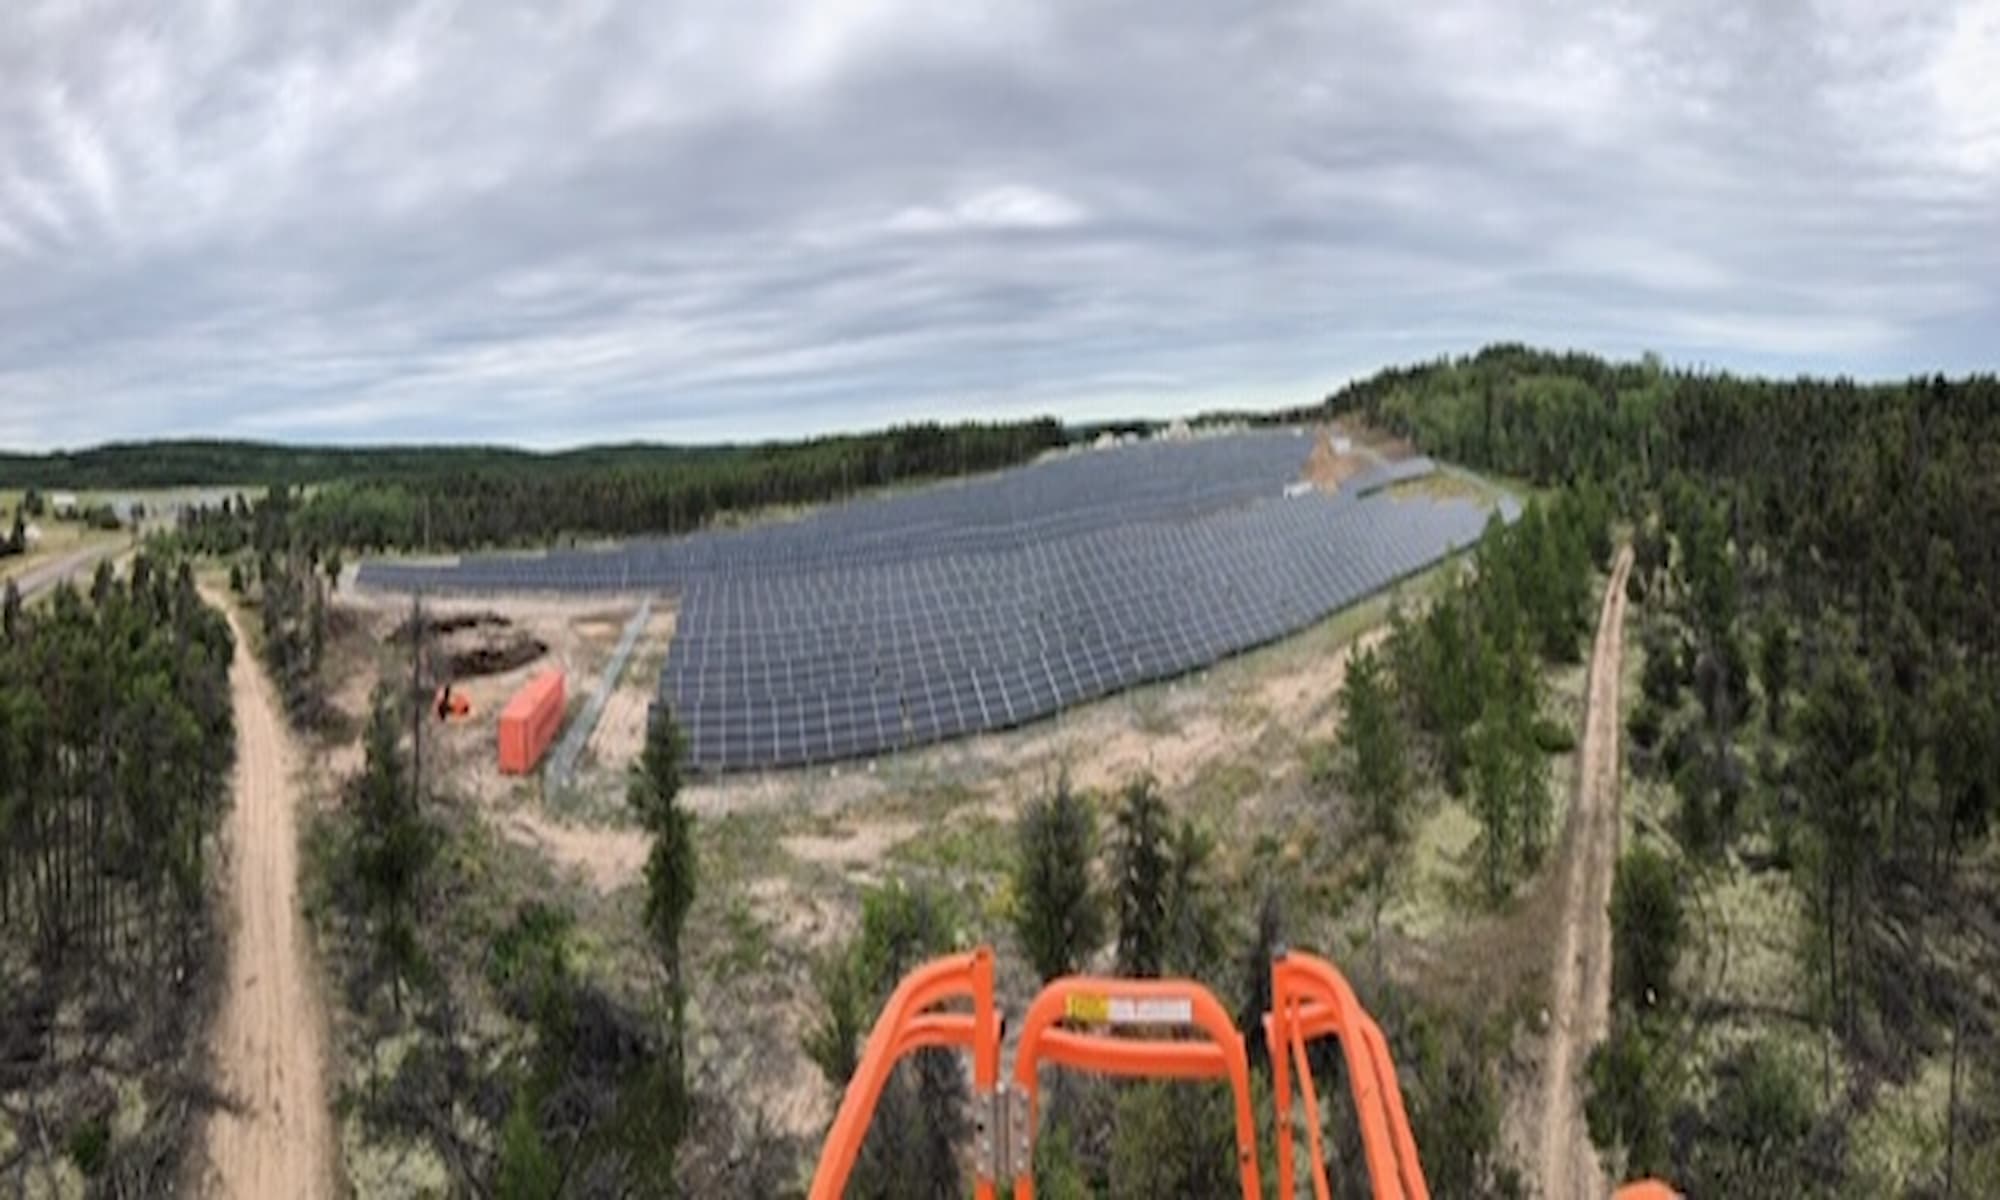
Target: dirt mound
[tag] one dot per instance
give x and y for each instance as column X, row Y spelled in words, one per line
column 472, row 644
column 1326, row 469
column 438, row 626
column 494, row 655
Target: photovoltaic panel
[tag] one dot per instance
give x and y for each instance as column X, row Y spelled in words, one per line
column 886, row 624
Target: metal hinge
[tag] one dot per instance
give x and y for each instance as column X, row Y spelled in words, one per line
column 1003, row 1140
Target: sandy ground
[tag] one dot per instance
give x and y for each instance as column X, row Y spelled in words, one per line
column 276, row 1138
column 580, row 633
column 1581, row 985
column 42, row 576
column 1326, row 470
column 621, row 730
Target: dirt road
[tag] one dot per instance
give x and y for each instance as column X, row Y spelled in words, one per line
column 1581, row 985
column 269, row 1039
column 35, row 580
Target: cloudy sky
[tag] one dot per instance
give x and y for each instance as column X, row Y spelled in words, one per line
column 590, row 219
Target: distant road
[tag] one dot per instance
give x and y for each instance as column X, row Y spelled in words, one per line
column 42, row 576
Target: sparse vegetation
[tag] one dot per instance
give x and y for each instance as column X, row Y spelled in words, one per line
column 116, row 739
column 1824, row 549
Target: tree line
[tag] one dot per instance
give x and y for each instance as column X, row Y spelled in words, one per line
column 1817, row 566
column 116, row 740
column 1465, row 678
column 452, row 499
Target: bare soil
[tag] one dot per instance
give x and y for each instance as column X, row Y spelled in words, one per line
column 1327, row 470
column 275, row 1138
column 1379, row 442
column 42, row 576
column 1580, row 986
column 621, row 730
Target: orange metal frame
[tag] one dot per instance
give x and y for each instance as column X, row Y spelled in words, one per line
column 1065, row 1025
column 1310, row 999
column 1220, row 1057
column 905, row 1026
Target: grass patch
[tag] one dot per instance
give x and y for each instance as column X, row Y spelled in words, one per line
column 1439, row 485
column 746, row 942
column 738, row 847
column 1439, row 882
column 972, row 844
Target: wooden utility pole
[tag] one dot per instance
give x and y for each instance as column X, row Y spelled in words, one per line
column 418, row 708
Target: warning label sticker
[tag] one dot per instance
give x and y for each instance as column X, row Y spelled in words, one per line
column 1097, row 1008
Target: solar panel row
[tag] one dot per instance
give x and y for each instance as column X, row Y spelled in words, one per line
column 851, row 662
column 886, row 624
column 1056, row 498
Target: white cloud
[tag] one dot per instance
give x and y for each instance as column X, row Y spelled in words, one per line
column 1013, row 206
column 1965, row 79
column 393, row 219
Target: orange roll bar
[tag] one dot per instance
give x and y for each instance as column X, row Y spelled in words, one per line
column 1310, row 999
column 903, row 1027
column 1067, row 1025
column 1153, row 1003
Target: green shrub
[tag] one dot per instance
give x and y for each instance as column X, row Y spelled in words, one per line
column 1554, row 737
column 89, row 1145
column 1647, row 928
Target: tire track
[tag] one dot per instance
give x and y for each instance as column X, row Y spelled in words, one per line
column 1580, row 1007
column 276, row 1139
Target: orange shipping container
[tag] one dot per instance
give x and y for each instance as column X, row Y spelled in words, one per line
column 529, row 722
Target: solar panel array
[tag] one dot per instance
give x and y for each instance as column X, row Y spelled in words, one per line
column 882, row 625
column 848, row 662
column 1057, row 497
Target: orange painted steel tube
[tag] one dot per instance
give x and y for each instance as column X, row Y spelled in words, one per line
column 1281, row 1097
column 1646, row 1189
column 1310, row 1094
column 1310, row 998
column 905, row 1026
column 1132, row 1058
column 1399, row 1120
column 1223, row 1057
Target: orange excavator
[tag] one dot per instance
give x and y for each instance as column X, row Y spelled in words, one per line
column 1134, row 1028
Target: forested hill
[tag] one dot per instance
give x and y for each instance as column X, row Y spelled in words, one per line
column 210, row 462
column 1817, row 578
column 468, row 499
column 1551, row 416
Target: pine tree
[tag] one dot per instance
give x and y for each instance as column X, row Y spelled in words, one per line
column 1058, row 916
column 1967, row 759
column 1144, row 863
column 1375, row 771
column 1774, row 665
column 1193, row 929
column 1509, row 775
column 1647, row 927
column 654, row 796
column 394, row 845
column 1843, row 776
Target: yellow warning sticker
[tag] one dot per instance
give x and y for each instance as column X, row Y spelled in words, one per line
column 1097, row 1008
column 1089, row 1008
